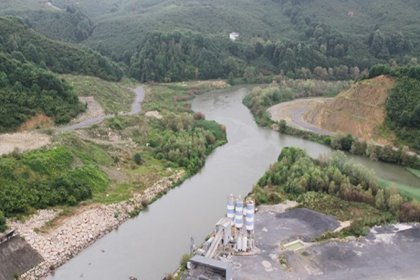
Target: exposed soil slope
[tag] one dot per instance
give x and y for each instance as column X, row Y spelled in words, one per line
column 359, row 111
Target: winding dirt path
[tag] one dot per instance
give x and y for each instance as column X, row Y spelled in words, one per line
column 32, row 140
column 293, row 113
column 135, row 109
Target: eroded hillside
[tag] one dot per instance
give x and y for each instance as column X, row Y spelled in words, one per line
column 359, row 111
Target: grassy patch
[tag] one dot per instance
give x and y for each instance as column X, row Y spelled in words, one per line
column 334, row 206
column 176, row 97
column 112, row 96
column 409, row 191
column 414, row 171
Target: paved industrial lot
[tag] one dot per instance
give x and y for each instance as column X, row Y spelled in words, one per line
column 388, row 252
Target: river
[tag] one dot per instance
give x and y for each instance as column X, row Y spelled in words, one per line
column 152, row 244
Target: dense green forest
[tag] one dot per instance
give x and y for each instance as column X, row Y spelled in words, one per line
column 24, row 44
column 317, row 38
column 26, row 90
column 403, row 104
column 296, row 176
column 183, row 56
column 70, row 25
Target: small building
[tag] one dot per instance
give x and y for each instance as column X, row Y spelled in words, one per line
column 203, row 268
column 233, row 36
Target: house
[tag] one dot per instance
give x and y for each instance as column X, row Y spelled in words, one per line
column 233, row 36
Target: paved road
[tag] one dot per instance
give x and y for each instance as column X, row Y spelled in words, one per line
column 135, row 109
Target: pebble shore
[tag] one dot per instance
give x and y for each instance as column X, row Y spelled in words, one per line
column 65, row 241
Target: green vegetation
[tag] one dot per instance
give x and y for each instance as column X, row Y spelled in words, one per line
column 3, row 226
column 414, row 171
column 362, row 215
column 27, row 87
column 70, row 24
column 113, row 97
column 41, row 178
column 171, row 40
column 334, row 186
column 261, row 98
column 26, row 90
column 24, row 44
column 408, row 191
column 403, row 104
column 181, row 137
column 185, row 141
column 403, row 111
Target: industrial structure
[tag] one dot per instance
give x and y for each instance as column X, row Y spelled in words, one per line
column 233, row 235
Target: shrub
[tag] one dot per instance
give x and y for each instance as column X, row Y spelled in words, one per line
column 2, row 222
column 138, row 159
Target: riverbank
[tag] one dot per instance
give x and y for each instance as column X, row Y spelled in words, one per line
column 73, row 234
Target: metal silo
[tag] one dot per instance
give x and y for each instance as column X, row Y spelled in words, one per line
column 239, row 218
column 231, row 208
column 250, row 212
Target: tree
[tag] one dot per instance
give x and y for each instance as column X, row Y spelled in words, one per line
column 138, row 159
column 2, row 222
column 380, row 200
column 4, row 81
column 321, row 73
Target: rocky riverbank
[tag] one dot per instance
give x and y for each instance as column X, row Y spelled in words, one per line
column 59, row 244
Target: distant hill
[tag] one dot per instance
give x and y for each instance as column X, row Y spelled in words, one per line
column 24, row 43
column 276, row 36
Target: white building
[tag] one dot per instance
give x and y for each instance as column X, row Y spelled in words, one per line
column 233, row 36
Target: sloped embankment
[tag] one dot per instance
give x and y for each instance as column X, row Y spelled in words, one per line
column 359, row 111
column 17, row 257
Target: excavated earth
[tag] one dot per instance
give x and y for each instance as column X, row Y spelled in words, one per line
column 359, row 111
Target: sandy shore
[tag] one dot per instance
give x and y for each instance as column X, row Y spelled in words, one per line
column 61, row 243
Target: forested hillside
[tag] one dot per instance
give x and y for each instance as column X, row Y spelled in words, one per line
column 26, row 90
column 28, row 85
column 24, row 44
column 327, row 39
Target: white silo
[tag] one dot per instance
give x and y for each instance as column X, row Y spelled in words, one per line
column 250, row 213
column 239, row 218
column 231, row 208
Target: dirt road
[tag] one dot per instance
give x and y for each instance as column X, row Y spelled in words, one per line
column 98, row 118
column 293, row 113
column 26, row 141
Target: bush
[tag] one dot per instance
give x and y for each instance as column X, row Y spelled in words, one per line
column 2, row 222
column 138, row 159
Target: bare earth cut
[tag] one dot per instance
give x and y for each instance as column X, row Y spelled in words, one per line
column 359, row 111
